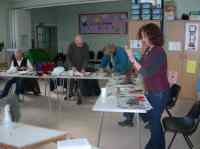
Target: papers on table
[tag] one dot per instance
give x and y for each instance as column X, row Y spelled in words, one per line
column 12, row 70
column 128, row 94
column 26, row 72
column 81, row 143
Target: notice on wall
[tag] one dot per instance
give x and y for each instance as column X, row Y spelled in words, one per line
column 135, row 44
column 174, row 46
column 191, row 36
column 191, row 66
column 172, row 77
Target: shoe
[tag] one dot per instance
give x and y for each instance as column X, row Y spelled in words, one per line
column 20, row 98
column 66, row 97
column 147, row 126
column 36, row 93
column 79, row 102
column 126, row 123
column 1, row 94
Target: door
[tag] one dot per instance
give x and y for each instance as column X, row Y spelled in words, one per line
column 46, row 37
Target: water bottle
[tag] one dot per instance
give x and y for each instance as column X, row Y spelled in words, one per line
column 7, row 121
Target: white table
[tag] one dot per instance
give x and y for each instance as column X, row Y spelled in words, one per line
column 111, row 104
column 21, row 136
column 95, row 76
column 65, row 75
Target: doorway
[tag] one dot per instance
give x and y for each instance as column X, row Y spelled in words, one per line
column 46, row 37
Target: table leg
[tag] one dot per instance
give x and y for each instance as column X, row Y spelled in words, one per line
column 47, row 81
column 100, row 128
column 58, row 102
column 68, row 88
column 138, row 131
column 45, row 88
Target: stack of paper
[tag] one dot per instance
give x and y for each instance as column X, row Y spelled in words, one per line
column 74, row 144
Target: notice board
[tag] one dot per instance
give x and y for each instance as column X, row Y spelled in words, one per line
column 103, row 23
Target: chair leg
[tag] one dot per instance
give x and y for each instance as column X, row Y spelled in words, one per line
column 172, row 140
column 189, row 142
column 168, row 112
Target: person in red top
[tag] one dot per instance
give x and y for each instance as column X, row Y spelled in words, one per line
column 153, row 69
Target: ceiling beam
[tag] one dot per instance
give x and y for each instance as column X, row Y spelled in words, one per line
column 29, row 4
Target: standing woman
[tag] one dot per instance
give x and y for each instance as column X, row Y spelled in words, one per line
column 153, row 68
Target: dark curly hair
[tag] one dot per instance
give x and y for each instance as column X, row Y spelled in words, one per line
column 153, row 33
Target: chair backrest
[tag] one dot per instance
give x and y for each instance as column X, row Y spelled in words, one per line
column 194, row 114
column 194, row 111
column 91, row 55
column 100, row 55
column 174, row 93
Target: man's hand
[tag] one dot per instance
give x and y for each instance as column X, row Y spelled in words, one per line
column 82, row 70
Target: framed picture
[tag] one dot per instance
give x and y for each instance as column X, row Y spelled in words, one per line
column 103, row 23
column 191, row 36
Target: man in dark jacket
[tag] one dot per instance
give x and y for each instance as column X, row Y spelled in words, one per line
column 78, row 54
column 78, row 58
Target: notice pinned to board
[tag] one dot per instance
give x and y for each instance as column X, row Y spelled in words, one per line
column 191, row 66
column 174, row 46
column 135, row 44
column 191, row 36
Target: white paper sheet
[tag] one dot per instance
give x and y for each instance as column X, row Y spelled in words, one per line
column 174, row 46
column 135, row 44
column 81, row 143
column 191, row 36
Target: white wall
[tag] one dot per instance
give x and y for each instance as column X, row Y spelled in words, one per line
column 4, row 7
column 22, row 29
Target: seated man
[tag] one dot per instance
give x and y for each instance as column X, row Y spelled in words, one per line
column 117, row 58
column 20, row 63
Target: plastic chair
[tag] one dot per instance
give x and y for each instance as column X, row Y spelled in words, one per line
column 91, row 55
column 100, row 55
column 186, row 125
column 174, row 93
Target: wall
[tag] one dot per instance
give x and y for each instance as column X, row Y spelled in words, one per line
column 68, row 24
column 44, row 15
column 4, row 7
column 66, row 18
column 48, row 16
column 185, row 6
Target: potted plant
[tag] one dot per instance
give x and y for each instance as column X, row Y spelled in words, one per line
column 1, row 46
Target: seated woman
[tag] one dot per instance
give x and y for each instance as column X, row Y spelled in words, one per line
column 20, row 63
column 59, row 60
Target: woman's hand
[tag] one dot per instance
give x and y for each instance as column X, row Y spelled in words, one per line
column 133, row 61
column 135, row 64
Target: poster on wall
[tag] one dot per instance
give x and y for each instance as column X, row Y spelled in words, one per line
column 191, row 66
column 191, row 36
column 103, row 23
